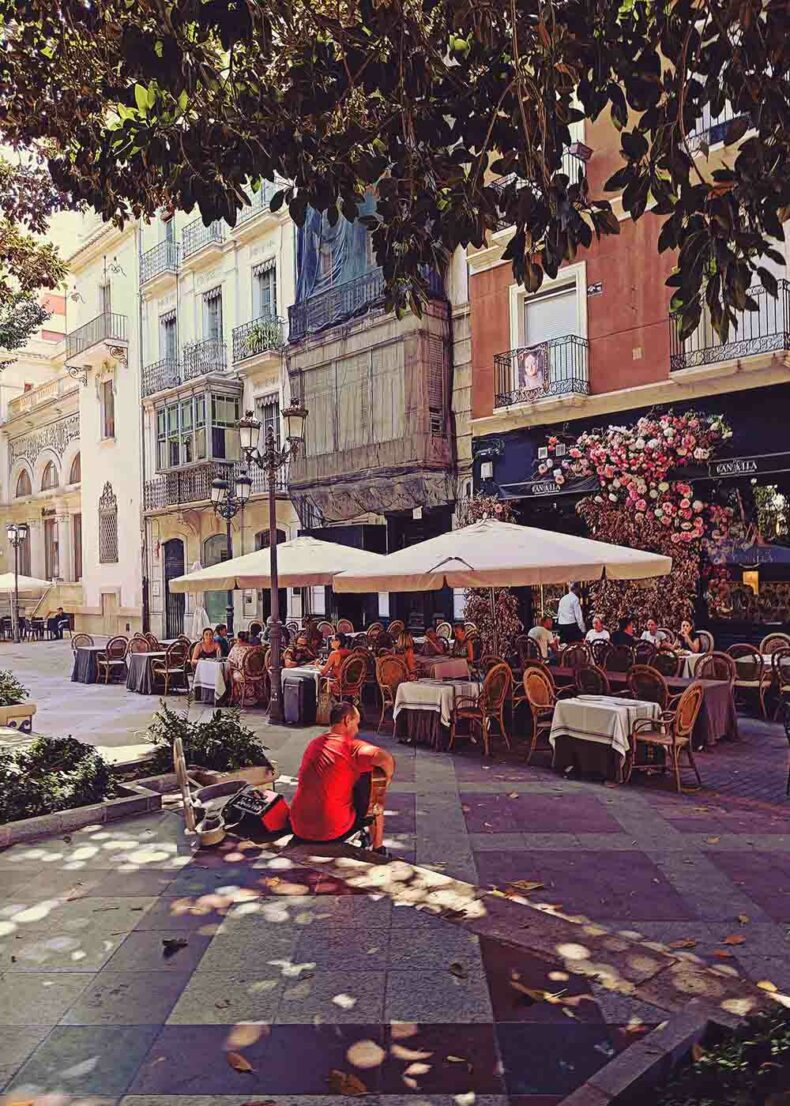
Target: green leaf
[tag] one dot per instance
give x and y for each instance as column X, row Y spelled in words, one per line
column 183, row 100
column 141, row 98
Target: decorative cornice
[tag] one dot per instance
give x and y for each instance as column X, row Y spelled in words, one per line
column 55, row 437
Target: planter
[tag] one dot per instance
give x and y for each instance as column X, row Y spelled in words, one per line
column 18, row 717
column 255, row 775
column 135, row 798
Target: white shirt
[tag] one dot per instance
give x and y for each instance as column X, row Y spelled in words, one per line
column 543, row 637
column 654, row 639
column 570, row 611
column 597, row 635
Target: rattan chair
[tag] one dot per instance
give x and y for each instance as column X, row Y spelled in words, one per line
column 780, row 677
column 541, row 695
column 715, row 666
column 395, row 628
column 667, row 661
column 113, row 659
column 644, row 652
column 647, row 684
column 172, row 665
column 772, row 642
column 471, row 627
column 345, row 626
column 750, row 674
column 375, row 626
column 153, row 641
column 619, row 658
column 589, row 679
column 391, row 672
column 444, row 630
column 488, row 705
column 80, row 641
column 575, row 655
column 670, row 636
column 486, row 663
column 292, row 626
column 526, row 649
column 137, row 645
column 326, row 629
column 253, row 676
column 599, row 651
column 351, row 679
column 706, row 641
column 672, row 732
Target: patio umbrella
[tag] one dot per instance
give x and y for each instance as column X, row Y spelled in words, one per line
column 302, row 563
column 26, row 583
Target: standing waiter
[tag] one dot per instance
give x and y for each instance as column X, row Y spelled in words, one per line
column 569, row 616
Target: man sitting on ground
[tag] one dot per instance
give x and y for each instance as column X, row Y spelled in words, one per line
column 544, row 635
column 333, row 791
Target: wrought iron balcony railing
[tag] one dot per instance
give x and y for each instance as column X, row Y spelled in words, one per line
column 762, row 331
column 259, row 201
column 205, row 356
column 193, row 484
column 711, row 129
column 344, row 301
column 162, row 258
column 554, row 368
column 259, row 336
column 196, row 235
column 161, row 375
column 107, row 327
column 573, row 166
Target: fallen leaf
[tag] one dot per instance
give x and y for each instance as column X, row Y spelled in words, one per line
column 722, row 954
column 458, row 970
column 417, row 1068
column 400, row 1052
column 712, row 840
column 513, row 795
column 743, row 919
column 697, row 1052
column 527, row 885
column 263, row 1102
column 683, row 943
column 345, row 1083
column 239, row 1063
column 460, row 1059
column 734, row 939
column 766, row 985
column 171, row 945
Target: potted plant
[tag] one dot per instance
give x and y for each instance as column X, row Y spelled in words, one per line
column 52, row 774
column 16, row 710
column 221, row 748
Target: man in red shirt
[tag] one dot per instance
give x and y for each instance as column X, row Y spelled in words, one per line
column 334, row 782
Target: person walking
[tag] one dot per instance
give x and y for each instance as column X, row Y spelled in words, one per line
column 570, row 617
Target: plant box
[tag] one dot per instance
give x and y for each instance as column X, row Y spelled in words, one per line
column 255, row 775
column 18, row 717
column 134, row 798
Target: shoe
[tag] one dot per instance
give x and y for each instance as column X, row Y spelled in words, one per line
column 380, row 851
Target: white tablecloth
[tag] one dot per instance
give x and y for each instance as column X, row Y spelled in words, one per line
column 438, row 695
column 210, row 676
column 443, row 668
column 601, row 718
column 691, row 660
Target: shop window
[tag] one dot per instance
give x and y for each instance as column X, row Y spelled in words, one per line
column 25, row 559
column 75, row 473
column 108, row 526
column 51, row 568
column 49, row 478
column 23, row 485
column 107, row 408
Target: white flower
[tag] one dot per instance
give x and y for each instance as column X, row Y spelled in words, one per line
column 613, row 498
column 639, row 443
column 653, row 493
column 663, row 486
column 557, row 473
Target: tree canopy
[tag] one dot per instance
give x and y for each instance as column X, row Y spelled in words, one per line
column 193, row 102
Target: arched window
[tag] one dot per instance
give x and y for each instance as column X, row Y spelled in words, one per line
column 75, row 473
column 23, row 485
column 49, row 478
column 108, row 526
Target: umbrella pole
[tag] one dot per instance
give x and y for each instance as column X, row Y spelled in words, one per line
column 494, row 634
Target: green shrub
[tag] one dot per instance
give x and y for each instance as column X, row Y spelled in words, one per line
column 11, row 691
column 53, row 773
column 749, row 1067
column 222, row 743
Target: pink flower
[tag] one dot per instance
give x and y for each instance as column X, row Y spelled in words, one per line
column 675, row 538
column 641, row 505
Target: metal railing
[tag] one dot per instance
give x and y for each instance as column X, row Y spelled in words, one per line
column 762, row 331
column 161, row 375
column 711, row 129
column 205, row 356
column 41, row 394
column 554, row 368
column 162, row 258
column 193, row 485
column 259, row 202
column 345, row 301
column 573, row 166
column 105, row 327
column 259, row 336
column 196, row 235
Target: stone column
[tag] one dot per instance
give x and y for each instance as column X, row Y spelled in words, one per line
column 65, row 547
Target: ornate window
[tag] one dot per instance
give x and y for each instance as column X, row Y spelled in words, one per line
column 23, row 485
column 49, row 478
column 108, row 526
column 75, row 473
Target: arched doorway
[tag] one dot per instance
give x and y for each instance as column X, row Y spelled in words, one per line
column 215, row 549
column 174, row 604
column 262, row 542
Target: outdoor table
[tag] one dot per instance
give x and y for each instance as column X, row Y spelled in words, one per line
column 443, row 668
column 209, row 685
column 86, row 670
column 423, row 709
column 592, row 732
column 139, row 673
column 304, row 670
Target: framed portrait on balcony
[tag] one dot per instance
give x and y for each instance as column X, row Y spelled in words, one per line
column 532, row 369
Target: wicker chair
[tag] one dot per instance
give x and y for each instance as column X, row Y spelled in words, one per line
column 471, row 628
column 706, row 641
column 395, row 628
column 374, row 626
column 599, row 651
column 750, row 674
column 667, row 661
column 716, row 666
column 251, row 677
column 772, row 642
column 80, row 641
column 345, row 626
column 526, row 649
column 669, row 636
column 575, row 655
column 444, row 630
column 153, row 641
column 620, row 658
column 644, row 652
column 172, row 665
column 351, row 679
column 672, row 732
column 780, row 677
column 486, row 663
column 488, row 705
column 541, row 695
column 589, row 679
column 292, row 626
column 647, row 683
column 326, row 630
column 137, row 645
column 391, row 672
column 113, row 659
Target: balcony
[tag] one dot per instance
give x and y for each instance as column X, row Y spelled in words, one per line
column 197, row 236
column 193, row 485
column 766, row 330
column 711, row 129
column 44, row 393
column 346, row 301
column 259, row 203
column 106, row 330
column 205, row 356
column 158, row 262
column 555, row 368
column 257, row 338
column 160, row 376
column 573, row 166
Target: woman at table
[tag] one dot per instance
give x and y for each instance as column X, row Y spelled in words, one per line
column 299, row 653
column 404, row 648
column 338, row 651
column 207, row 649
column 689, row 638
column 240, row 646
column 221, row 638
column 461, row 645
column 434, row 646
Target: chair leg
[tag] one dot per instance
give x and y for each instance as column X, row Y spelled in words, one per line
column 381, row 717
column 534, row 739
column 451, row 742
column 676, row 769
column 484, row 727
column 693, row 764
column 503, row 727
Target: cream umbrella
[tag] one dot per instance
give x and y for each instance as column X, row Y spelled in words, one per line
column 26, row 583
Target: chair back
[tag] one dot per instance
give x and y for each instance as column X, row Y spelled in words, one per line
column 444, row 630
column 539, row 688
column 152, row 640
column 116, row 648
column 496, row 687
column 644, row 652
column 471, row 627
column 326, row 629
column 686, row 714
column 667, row 662
column 352, row 674
column 669, row 635
column 619, row 658
column 489, row 661
column 527, row 649
column 772, row 642
column 706, row 641
column 374, row 626
column 177, row 654
column 576, row 655
column 749, row 663
column 395, row 628
column 599, row 651
column 253, row 663
column 345, row 626
column 780, row 667
column 391, row 672
column 646, row 683
column 591, row 680
column 79, row 640
column 291, row 626
column 138, row 645
column 716, row 666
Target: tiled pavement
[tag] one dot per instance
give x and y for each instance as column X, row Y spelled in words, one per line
column 302, row 977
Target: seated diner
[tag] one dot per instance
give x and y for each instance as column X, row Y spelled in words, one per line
column 299, row 653
column 625, row 634
column 545, row 637
column 434, row 646
column 655, row 636
column 207, row 649
column 598, row 632
column 461, row 644
column 404, row 647
column 689, row 638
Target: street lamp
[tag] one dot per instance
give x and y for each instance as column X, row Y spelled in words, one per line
column 271, row 458
column 227, row 501
column 17, row 533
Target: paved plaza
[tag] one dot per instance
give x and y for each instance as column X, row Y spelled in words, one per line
column 326, row 980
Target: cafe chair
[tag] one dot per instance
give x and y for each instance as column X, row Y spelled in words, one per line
column 575, row 655
column 589, row 679
column 172, row 665
column 706, row 640
column 153, row 641
column 444, row 630
column 395, row 628
column 80, row 641
column 488, row 705
column 527, row 649
column 672, row 733
column 772, row 642
column 374, row 626
column 113, row 658
column 541, row 696
column 137, row 645
column 780, row 677
column 487, row 661
column 619, row 658
column 667, row 661
column 326, row 630
column 345, row 626
column 250, row 681
column 646, row 683
column 750, row 674
column 670, row 636
column 350, row 681
column 716, row 666
column 291, row 626
column 644, row 652
column 391, row 672
column 599, row 652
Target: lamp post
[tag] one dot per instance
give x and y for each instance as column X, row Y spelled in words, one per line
column 271, row 458
column 227, row 501
column 17, row 533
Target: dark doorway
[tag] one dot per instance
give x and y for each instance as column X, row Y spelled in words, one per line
column 262, row 542
column 174, row 604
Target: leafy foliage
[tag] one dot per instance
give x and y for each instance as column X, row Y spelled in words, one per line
column 52, row 774
column 222, row 743
column 11, row 690
column 193, row 103
column 498, row 626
